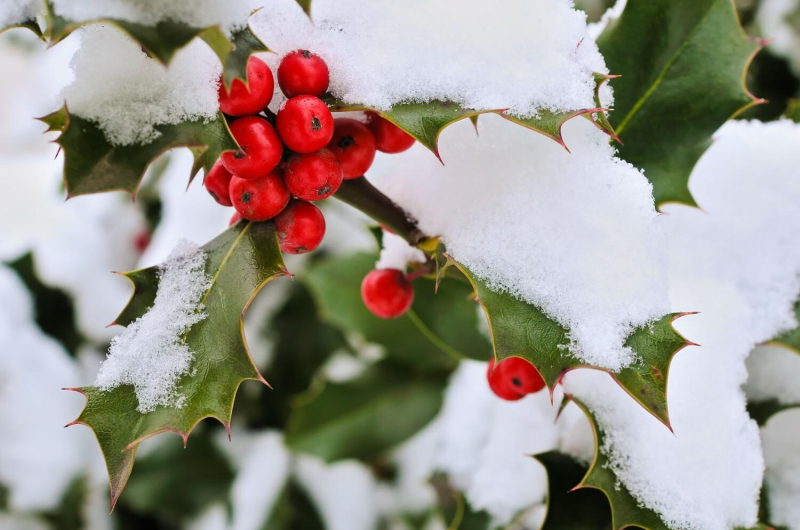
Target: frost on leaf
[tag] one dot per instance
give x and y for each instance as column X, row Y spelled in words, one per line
column 239, row 262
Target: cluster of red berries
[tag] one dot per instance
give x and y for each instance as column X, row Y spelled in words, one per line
column 513, row 378
column 300, row 155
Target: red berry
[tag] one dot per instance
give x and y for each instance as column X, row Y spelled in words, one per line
column 259, row 199
column 218, row 182
column 314, row 176
column 235, row 218
column 389, row 137
column 301, row 227
column 305, row 124
column 142, row 240
column 354, row 145
column 514, row 378
column 261, row 149
column 241, row 101
column 387, row 292
column 303, row 73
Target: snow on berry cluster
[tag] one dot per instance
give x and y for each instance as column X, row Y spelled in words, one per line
column 295, row 156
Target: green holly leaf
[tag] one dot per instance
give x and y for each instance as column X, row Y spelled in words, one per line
column 55, row 312
column 241, row 261
column 455, row 509
column 568, row 509
column 294, row 510
column 426, row 121
column 523, row 330
column 30, row 24
column 70, row 514
column 626, row 511
column 92, row 164
column 790, row 339
column 349, row 420
column 682, row 65
column 163, row 40
column 306, row 5
column 793, row 110
column 762, row 411
column 175, row 483
column 438, row 330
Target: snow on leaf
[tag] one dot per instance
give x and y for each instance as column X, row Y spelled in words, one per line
column 93, row 165
column 426, row 121
column 523, row 330
column 626, row 511
column 682, row 65
column 241, row 261
column 163, row 40
column 790, row 339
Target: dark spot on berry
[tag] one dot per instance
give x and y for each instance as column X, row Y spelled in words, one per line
column 246, row 197
column 345, row 142
column 306, row 54
column 324, row 190
column 516, row 382
column 238, row 155
column 301, row 250
column 315, row 124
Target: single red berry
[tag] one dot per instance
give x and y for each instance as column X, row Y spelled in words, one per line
column 387, row 292
column 314, row 176
column 261, row 149
column 142, row 240
column 514, row 378
column 242, row 100
column 303, row 73
column 354, row 145
column 301, row 227
column 218, row 182
column 305, row 124
column 235, row 218
column 259, row 199
column 389, row 137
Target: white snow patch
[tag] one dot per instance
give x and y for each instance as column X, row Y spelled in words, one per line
column 737, row 263
column 129, row 94
column 525, row 55
column 151, row 354
column 230, row 15
column 397, row 253
column 576, row 235
column 486, row 443
column 781, row 439
column 16, row 11
column 778, row 20
column 609, row 17
column 773, row 372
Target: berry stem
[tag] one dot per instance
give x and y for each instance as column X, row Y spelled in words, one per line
column 362, row 195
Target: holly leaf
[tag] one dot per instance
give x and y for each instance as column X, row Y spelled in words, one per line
column 568, row 509
column 349, row 420
column 92, row 164
column 241, row 261
column 523, row 330
column 682, row 65
column 626, row 511
column 163, row 40
column 438, row 330
column 294, row 510
column 455, row 509
column 30, row 24
column 793, row 110
column 306, row 5
column 426, row 121
column 175, row 483
column 762, row 411
column 55, row 311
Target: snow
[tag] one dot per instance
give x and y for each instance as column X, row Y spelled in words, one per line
column 151, row 353
column 16, row 11
column 518, row 54
column 736, row 261
column 611, row 15
column 576, row 235
column 230, row 15
column 397, row 253
column 772, row 373
column 774, row 20
column 782, row 452
column 33, row 408
column 129, row 94
column 485, row 444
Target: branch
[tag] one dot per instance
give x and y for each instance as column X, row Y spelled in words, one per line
column 363, row 196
